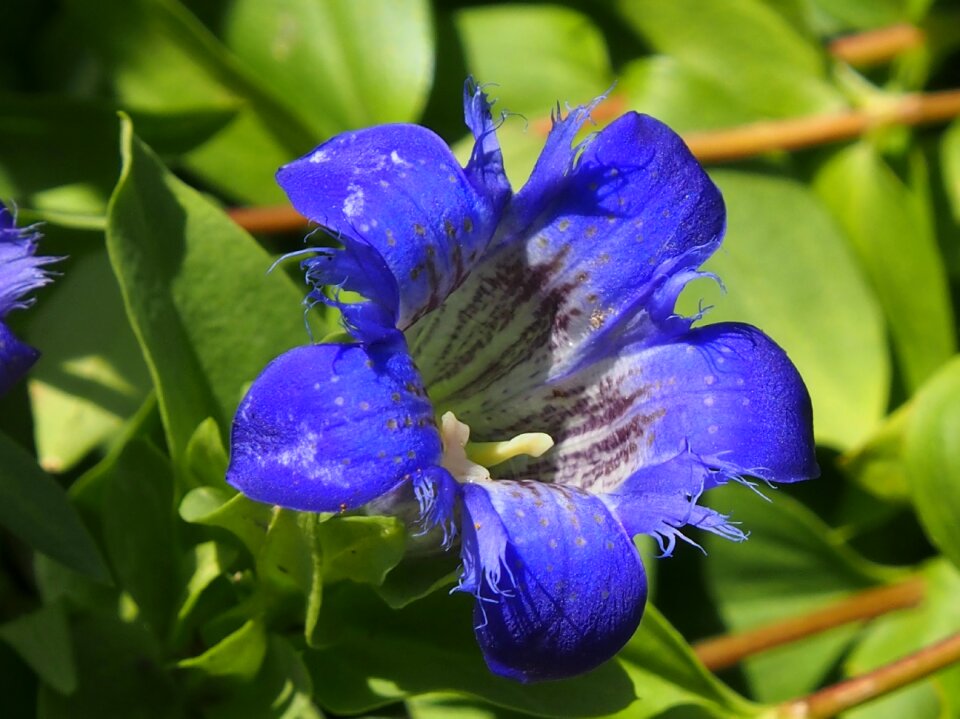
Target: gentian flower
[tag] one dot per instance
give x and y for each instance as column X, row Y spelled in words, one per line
column 20, row 272
column 546, row 316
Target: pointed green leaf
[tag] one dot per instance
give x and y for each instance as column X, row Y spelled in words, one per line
column 745, row 46
column 932, row 459
column 139, row 531
column 326, row 60
column 238, row 656
column 36, row 510
column 42, row 638
column 890, row 230
column 207, row 315
column 242, row 517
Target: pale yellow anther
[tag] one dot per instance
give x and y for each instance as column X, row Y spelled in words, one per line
column 468, row 461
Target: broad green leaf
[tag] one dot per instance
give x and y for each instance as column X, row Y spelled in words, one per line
column 92, row 377
column 245, row 519
column 285, row 560
column 158, row 57
column 791, row 564
column 890, row 230
column 378, row 655
column 339, row 64
column 787, row 269
column 139, row 531
column 897, row 634
column 932, row 459
column 282, row 689
column 681, row 96
column 207, row 315
column 42, row 638
column 534, row 56
column 238, row 656
column 668, row 675
column 35, row 509
column 120, row 673
column 745, row 46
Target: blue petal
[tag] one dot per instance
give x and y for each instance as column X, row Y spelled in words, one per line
column 331, row 427
column 597, row 247
column 674, row 419
column 20, row 269
column 560, row 586
column 15, row 358
column 399, row 191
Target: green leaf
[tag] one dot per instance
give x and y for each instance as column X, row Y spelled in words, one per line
column 779, row 240
column 932, row 459
column 42, row 638
column 453, row 706
column 139, row 532
column 159, row 58
column 282, row 689
column 537, row 55
column 245, row 519
column 890, row 230
column 237, row 657
column 120, row 674
column 379, row 655
column 326, row 60
column 36, row 510
column 950, row 159
column 207, row 460
column 681, row 96
column 745, row 46
column 668, row 675
column 791, row 564
column 207, row 315
column 877, row 465
column 92, row 377
column 361, row 549
column 207, row 561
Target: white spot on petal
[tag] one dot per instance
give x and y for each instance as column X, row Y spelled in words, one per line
column 319, row 156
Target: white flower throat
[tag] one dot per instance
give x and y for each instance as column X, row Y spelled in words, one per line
column 468, row 461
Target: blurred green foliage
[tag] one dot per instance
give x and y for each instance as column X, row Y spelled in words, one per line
column 134, row 583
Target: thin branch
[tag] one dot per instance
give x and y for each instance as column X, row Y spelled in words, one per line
column 277, row 218
column 876, row 47
column 738, row 143
column 851, row 693
column 725, row 651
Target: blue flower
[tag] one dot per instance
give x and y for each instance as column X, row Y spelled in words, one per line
column 488, row 314
column 20, row 272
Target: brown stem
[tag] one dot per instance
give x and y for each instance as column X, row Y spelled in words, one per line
column 278, row 218
column 875, row 47
column 757, row 138
column 853, row 692
column 725, row 651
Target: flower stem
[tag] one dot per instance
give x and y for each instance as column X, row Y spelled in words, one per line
column 738, row 143
column 725, row 651
column 856, row 691
column 274, row 218
column 875, row 47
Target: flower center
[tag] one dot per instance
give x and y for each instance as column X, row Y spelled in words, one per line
column 468, row 461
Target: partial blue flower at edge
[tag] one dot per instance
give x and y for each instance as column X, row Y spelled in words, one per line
column 20, row 273
column 549, row 310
